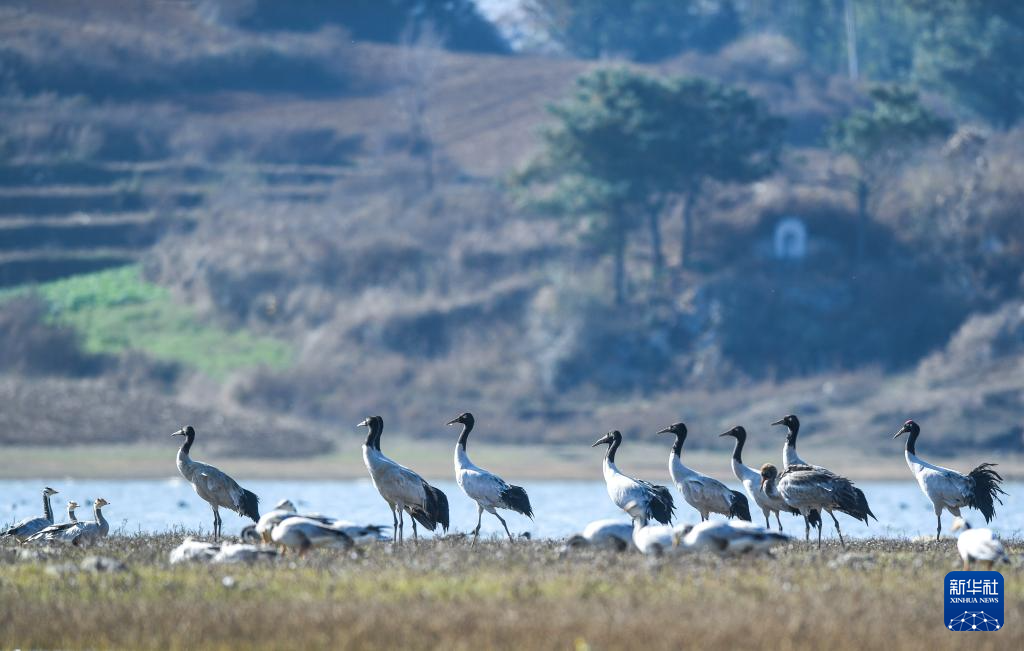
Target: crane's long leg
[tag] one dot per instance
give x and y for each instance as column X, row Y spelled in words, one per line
column 479, row 521
column 415, row 536
column 394, row 529
column 767, row 520
column 401, row 524
column 938, row 524
column 502, row 521
column 838, row 530
column 807, row 529
column 777, row 519
column 215, row 518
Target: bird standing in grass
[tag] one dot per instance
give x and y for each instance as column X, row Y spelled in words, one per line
column 489, row 491
column 978, row 545
column 641, row 499
column 49, row 533
column 809, row 488
column 948, row 489
column 401, row 488
column 706, row 494
column 215, row 486
column 29, row 526
column 87, row 532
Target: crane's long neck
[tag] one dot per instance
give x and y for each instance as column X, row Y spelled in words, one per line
column 912, row 442
column 371, row 436
column 47, row 509
column 677, row 447
column 771, row 489
column 378, row 429
column 71, row 514
column 187, row 445
column 610, row 457
column 467, row 427
column 737, row 452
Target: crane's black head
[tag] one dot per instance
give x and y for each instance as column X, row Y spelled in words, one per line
column 47, row 491
column 909, row 427
column 372, row 422
column 791, row 422
column 679, row 429
column 608, row 439
column 465, row 418
column 186, row 431
column 737, row 432
column 376, row 426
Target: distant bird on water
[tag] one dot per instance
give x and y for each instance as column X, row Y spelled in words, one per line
column 751, row 480
column 401, row 488
column 855, row 504
column 978, row 545
column 489, row 491
column 33, row 525
column 706, row 494
column 213, row 485
column 948, row 489
column 641, row 499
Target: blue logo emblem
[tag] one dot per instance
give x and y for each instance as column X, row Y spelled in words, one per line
column 974, row 601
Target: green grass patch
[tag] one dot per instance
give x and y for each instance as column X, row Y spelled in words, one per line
column 117, row 310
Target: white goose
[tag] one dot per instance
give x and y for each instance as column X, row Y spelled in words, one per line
column 642, row 500
column 401, row 488
column 489, row 491
column 33, row 525
column 706, row 494
column 948, row 489
column 978, row 545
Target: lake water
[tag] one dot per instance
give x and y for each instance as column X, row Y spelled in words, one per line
column 561, row 507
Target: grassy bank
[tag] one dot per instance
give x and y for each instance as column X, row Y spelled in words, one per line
column 875, row 594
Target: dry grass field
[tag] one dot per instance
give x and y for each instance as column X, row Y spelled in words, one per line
column 533, row 595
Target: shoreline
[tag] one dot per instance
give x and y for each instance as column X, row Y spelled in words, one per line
column 432, row 460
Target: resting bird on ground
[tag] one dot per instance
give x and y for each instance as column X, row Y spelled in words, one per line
column 808, row 488
column 214, row 485
column 658, row 539
column 604, row 534
column 205, row 552
column 706, row 494
column 948, row 489
column 48, row 533
column 33, row 525
column 361, row 534
column 978, row 545
column 85, row 533
column 304, row 534
column 641, row 499
column 489, row 491
column 401, row 488
column 732, row 537
column 855, row 504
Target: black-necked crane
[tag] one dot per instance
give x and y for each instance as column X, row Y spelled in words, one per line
column 49, row 533
column 948, row 489
column 809, row 488
column 214, row 485
column 978, row 545
column 489, row 491
column 859, row 509
column 733, row 538
column 641, row 499
column 401, row 488
column 85, row 533
column 706, row 494
column 751, row 480
column 22, row 530
column 604, row 534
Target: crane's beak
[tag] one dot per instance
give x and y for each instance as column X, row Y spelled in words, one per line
column 729, row 433
column 180, row 432
column 781, row 421
column 364, row 423
column 600, row 441
column 454, row 422
column 899, row 433
column 667, row 430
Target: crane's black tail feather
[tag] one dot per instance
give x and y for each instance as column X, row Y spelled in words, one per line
column 434, row 510
column 249, row 506
column 516, row 499
column 986, row 490
column 850, row 500
column 739, row 507
column 813, row 518
column 660, row 506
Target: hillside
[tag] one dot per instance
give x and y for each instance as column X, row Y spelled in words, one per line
column 272, row 234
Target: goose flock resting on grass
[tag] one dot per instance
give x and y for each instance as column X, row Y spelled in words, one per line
column 801, row 489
